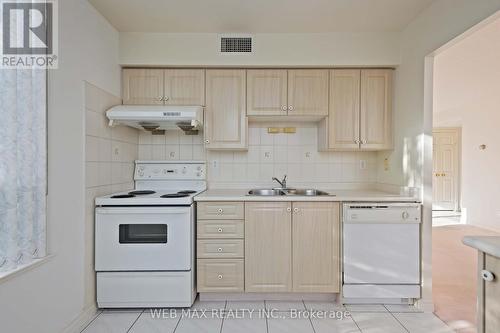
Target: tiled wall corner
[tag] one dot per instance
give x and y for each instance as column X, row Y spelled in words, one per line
column 109, row 166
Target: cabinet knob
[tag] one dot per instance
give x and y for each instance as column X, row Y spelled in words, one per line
column 487, row 275
column 220, row 276
column 443, row 174
column 219, row 249
column 356, row 141
column 160, row 98
column 207, row 141
column 295, row 210
column 166, row 98
column 288, row 209
column 290, row 108
column 283, row 108
column 219, row 230
column 363, row 142
column 405, row 215
column 220, row 210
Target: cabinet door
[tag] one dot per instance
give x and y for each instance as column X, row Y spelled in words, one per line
column 268, row 260
column 316, row 247
column 142, row 86
column 343, row 119
column 492, row 296
column 308, row 92
column 225, row 117
column 376, row 109
column 184, row 87
column 266, row 92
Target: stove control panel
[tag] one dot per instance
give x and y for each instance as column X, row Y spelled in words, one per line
column 170, row 171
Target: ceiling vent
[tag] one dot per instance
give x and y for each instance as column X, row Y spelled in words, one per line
column 236, row 44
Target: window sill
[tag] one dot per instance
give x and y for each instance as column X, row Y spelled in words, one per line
column 5, row 276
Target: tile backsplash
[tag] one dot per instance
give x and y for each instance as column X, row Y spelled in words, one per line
column 268, row 155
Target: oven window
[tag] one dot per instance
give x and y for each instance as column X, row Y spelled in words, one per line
column 143, row 233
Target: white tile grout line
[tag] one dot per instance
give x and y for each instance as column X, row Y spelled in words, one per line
column 136, row 319
column 310, row 320
column 93, row 319
column 400, row 323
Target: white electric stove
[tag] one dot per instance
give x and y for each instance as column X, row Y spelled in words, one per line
column 145, row 238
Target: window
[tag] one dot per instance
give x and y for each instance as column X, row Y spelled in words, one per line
column 23, row 166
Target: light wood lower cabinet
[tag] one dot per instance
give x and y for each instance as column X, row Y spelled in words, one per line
column 268, row 244
column 269, row 247
column 220, row 275
column 315, row 249
column 488, row 311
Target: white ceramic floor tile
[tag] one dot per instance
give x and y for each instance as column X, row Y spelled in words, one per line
column 112, row 322
column 245, row 305
column 366, row 308
column 155, row 322
column 245, row 325
column 382, row 322
column 199, row 325
column 324, row 306
column 284, row 305
column 422, row 323
column 289, row 325
column 329, row 325
column 208, row 305
column 402, row 308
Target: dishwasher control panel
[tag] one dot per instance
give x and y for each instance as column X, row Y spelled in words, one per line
column 382, row 213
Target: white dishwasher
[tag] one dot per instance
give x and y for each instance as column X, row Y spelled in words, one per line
column 381, row 251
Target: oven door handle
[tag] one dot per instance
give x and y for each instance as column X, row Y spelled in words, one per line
column 143, row 210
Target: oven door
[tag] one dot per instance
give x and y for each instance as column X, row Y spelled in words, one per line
column 144, row 238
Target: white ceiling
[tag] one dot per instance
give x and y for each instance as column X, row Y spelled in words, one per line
column 260, row 16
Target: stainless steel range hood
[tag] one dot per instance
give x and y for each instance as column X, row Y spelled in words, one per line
column 157, row 117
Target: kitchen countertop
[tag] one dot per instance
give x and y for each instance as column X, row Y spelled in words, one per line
column 338, row 195
column 486, row 244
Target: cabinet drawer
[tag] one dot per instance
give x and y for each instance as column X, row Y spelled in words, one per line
column 220, row 210
column 215, row 248
column 220, row 228
column 220, row 275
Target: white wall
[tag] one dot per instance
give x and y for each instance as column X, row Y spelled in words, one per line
column 320, row 49
column 49, row 297
column 411, row 161
column 466, row 83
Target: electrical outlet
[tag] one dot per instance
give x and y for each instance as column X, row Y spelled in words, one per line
column 215, row 164
column 386, row 164
column 362, row 164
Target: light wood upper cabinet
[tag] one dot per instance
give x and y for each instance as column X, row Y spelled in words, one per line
column 316, row 246
column 142, row 86
column 184, row 87
column 267, row 92
column 360, row 114
column 376, row 109
column 164, row 86
column 343, row 120
column 308, row 92
column 268, row 248
column 225, row 116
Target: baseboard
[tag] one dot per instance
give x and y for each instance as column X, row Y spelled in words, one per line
column 268, row 296
column 82, row 320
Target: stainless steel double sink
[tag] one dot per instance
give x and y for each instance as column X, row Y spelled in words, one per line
column 287, row 191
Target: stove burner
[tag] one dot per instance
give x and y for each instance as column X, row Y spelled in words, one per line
column 175, row 195
column 187, row 192
column 121, row 196
column 140, row 192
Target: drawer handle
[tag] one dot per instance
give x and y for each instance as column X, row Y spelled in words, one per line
column 220, row 230
column 220, row 210
column 487, row 275
column 219, row 249
column 220, row 276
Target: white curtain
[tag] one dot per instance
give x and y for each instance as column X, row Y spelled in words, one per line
column 23, row 161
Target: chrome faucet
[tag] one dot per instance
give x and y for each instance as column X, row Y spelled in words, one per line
column 281, row 182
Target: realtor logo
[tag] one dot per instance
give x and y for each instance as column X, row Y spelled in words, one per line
column 29, row 34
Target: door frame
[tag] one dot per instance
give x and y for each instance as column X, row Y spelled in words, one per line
column 458, row 161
